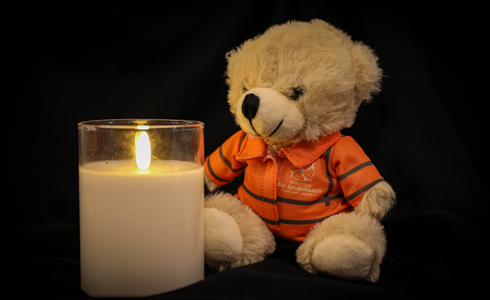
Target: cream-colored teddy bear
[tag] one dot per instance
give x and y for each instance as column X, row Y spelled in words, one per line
column 291, row 91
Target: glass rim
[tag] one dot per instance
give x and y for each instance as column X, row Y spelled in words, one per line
column 139, row 124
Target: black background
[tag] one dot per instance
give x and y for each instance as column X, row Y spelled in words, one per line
column 65, row 63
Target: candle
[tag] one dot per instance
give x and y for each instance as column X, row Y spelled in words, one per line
column 141, row 222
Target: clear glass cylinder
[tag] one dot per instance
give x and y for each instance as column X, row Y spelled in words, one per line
column 141, row 185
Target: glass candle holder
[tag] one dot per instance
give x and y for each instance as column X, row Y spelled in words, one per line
column 141, row 185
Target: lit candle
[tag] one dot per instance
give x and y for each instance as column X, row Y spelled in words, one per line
column 141, row 224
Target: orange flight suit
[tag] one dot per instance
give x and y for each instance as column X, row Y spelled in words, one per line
column 300, row 186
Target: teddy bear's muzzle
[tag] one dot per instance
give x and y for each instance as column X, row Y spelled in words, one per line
column 250, row 106
column 269, row 114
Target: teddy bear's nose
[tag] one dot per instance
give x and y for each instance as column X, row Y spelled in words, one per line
column 250, row 106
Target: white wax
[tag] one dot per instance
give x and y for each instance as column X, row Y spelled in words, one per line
column 141, row 231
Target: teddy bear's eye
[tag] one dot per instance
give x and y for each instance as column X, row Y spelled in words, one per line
column 245, row 86
column 297, row 92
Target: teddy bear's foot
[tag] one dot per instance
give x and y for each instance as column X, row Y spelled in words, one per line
column 349, row 246
column 222, row 237
column 233, row 234
column 344, row 257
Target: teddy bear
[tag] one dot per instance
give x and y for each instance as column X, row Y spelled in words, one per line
column 291, row 90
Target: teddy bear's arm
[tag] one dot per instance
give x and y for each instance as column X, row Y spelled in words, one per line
column 221, row 167
column 360, row 181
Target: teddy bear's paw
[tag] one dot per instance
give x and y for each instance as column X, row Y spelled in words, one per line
column 344, row 257
column 377, row 201
column 233, row 234
column 222, row 238
column 349, row 246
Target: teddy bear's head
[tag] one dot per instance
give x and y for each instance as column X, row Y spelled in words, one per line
column 299, row 81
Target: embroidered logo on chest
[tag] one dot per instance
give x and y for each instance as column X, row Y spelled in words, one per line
column 304, row 174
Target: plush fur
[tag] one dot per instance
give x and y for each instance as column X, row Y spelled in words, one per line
column 346, row 245
column 377, row 201
column 310, row 78
column 233, row 234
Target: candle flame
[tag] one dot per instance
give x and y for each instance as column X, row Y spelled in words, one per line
column 143, row 150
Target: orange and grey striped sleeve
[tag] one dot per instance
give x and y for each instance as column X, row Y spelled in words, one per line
column 355, row 172
column 221, row 166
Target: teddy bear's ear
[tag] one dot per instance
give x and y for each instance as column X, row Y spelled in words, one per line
column 368, row 73
column 368, row 81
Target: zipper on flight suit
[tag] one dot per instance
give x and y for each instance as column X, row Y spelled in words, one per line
column 274, row 199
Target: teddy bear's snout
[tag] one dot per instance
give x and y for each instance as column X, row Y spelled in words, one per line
column 250, row 106
column 270, row 114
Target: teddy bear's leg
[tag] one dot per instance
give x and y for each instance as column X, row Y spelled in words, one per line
column 348, row 245
column 233, row 234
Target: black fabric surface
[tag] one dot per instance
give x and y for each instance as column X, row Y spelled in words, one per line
column 426, row 132
column 430, row 254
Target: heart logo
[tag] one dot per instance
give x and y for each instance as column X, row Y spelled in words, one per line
column 304, row 174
